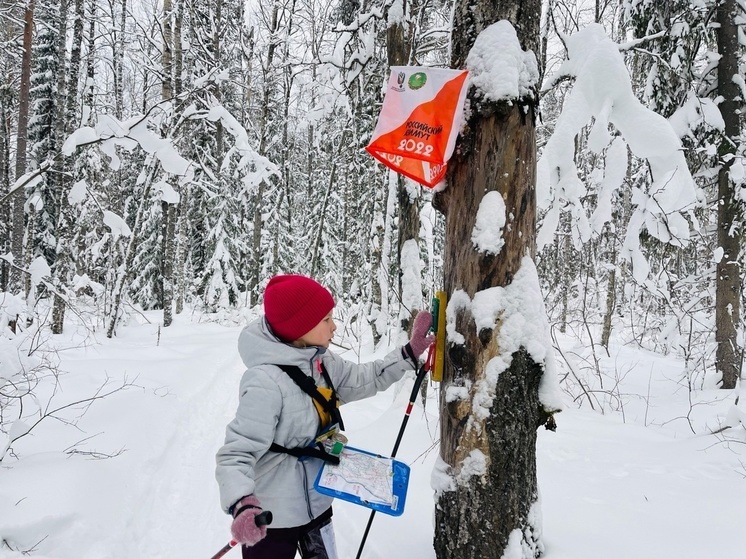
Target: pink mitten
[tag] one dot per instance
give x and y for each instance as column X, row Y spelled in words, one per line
column 420, row 340
column 244, row 529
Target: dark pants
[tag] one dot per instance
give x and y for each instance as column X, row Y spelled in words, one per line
column 282, row 543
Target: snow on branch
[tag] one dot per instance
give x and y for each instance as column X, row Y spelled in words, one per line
column 110, row 133
column 255, row 167
column 38, row 270
column 498, row 67
column 602, row 94
column 28, row 180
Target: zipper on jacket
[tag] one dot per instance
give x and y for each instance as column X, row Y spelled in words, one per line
column 316, row 366
column 305, row 491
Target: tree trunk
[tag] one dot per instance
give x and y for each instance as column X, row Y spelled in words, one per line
column 610, row 296
column 178, row 54
column 124, row 271
column 19, row 197
column 316, row 260
column 5, row 139
column 119, row 63
column 168, row 213
column 565, row 267
column 168, row 229
column 167, row 53
column 182, row 211
column 398, row 49
column 90, row 64
column 181, row 249
column 730, row 212
column 63, row 263
column 481, row 516
column 377, row 281
column 256, row 240
column 29, row 234
column 283, row 224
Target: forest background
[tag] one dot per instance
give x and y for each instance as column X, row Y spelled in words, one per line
column 172, row 156
column 212, row 145
column 161, row 160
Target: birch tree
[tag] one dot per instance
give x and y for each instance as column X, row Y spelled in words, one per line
column 168, row 206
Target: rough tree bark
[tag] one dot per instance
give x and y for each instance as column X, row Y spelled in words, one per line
column 377, row 233
column 19, row 197
column 728, row 355
column 496, row 152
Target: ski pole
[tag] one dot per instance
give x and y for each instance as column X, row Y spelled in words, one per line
column 230, row 545
column 262, row 519
column 412, row 399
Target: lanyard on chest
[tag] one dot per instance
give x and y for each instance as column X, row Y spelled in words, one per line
column 327, row 406
column 325, row 400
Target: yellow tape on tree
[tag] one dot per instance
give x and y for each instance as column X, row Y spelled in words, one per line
column 436, row 375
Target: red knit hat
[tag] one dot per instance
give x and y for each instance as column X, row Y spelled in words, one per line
column 294, row 305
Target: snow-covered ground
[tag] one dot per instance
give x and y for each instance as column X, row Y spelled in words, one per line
column 634, row 484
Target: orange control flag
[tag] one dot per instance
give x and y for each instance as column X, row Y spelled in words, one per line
column 420, row 119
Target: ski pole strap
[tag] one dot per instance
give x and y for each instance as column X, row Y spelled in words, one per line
column 243, row 508
column 306, row 451
column 407, row 351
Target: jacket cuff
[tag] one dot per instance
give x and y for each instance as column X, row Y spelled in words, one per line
column 233, row 507
column 407, row 353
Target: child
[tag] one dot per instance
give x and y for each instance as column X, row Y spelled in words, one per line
column 268, row 459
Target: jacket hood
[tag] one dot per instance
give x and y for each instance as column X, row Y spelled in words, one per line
column 258, row 345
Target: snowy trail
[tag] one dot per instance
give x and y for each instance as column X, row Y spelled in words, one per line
column 158, row 498
column 608, row 489
column 618, row 491
column 177, row 513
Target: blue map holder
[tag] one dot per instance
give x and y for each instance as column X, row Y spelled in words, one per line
column 400, row 486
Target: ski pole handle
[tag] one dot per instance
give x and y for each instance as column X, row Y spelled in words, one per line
column 262, row 519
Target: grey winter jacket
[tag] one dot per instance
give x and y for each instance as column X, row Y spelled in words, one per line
column 272, row 408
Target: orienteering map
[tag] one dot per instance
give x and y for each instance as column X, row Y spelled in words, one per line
column 369, row 477
column 366, row 479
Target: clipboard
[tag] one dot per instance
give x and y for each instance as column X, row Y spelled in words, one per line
column 366, row 479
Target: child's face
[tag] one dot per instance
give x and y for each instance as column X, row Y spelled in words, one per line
column 320, row 335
